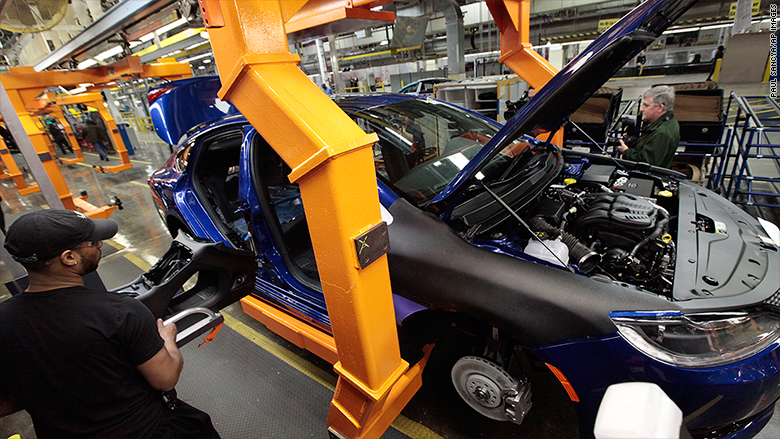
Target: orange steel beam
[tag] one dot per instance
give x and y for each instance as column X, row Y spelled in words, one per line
column 512, row 19
column 14, row 172
column 95, row 100
column 332, row 161
column 296, row 331
column 24, row 85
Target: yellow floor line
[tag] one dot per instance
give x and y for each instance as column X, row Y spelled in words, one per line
column 132, row 160
column 410, row 428
column 115, row 244
column 403, row 424
column 284, row 354
column 137, row 261
column 139, row 183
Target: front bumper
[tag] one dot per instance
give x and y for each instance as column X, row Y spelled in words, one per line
column 716, row 399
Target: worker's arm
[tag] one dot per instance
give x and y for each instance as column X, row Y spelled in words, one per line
column 162, row 371
column 8, row 405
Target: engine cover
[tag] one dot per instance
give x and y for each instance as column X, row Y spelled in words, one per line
column 619, row 211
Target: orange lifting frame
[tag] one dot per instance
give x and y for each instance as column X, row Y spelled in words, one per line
column 24, row 85
column 95, row 100
column 332, row 160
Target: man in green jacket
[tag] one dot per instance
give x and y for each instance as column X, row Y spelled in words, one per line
column 661, row 132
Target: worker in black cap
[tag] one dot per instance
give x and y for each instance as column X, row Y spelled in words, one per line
column 85, row 363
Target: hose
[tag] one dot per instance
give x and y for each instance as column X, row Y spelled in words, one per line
column 659, row 228
column 584, row 258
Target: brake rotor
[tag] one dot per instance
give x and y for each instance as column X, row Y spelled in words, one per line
column 483, row 385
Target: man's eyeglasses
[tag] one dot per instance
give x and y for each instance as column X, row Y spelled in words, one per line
column 97, row 244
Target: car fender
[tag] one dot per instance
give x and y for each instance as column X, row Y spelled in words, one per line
column 538, row 305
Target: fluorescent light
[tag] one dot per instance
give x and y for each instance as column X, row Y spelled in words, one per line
column 202, row 68
column 85, row 64
column 186, row 60
column 170, row 26
column 678, row 31
column 716, row 26
column 206, row 61
column 195, row 45
column 162, row 30
column 116, row 50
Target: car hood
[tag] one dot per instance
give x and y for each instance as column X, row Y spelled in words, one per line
column 186, row 103
column 577, row 81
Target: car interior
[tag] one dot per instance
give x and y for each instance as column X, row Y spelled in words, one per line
column 215, row 178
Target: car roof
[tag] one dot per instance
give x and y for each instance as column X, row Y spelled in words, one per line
column 205, row 109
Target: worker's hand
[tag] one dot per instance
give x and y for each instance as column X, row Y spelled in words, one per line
column 622, row 147
column 167, row 332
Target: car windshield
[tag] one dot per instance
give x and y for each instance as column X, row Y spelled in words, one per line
column 424, row 144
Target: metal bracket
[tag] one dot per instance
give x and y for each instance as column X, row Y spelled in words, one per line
column 372, row 244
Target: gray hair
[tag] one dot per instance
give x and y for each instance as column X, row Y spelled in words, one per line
column 661, row 94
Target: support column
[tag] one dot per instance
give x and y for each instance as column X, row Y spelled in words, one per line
column 332, row 160
column 453, row 20
column 338, row 82
column 321, row 61
column 512, row 19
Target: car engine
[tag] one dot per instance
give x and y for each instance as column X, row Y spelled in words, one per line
column 603, row 222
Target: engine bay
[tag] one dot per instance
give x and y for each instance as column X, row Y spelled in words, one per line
column 597, row 219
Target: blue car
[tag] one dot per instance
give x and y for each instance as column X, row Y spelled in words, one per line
column 605, row 270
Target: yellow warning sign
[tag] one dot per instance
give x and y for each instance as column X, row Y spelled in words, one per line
column 605, row 24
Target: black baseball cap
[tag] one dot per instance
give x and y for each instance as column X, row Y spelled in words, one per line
column 44, row 234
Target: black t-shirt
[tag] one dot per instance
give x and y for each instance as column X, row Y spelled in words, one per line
column 69, row 357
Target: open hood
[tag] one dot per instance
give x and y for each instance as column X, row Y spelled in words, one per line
column 577, row 81
column 199, row 96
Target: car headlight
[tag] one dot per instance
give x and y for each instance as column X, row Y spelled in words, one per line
column 702, row 339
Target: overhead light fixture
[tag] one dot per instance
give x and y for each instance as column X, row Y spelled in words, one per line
column 162, row 30
column 717, row 26
column 186, row 60
column 206, row 61
column 202, row 68
column 116, row 50
column 85, row 64
column 679, row 31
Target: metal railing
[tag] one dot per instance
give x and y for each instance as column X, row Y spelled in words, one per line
column 748, row 141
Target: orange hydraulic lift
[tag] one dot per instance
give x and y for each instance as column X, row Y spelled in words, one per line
column 24, row 85
column 332, row 161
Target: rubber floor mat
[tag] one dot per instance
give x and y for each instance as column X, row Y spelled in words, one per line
column 251, row 394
